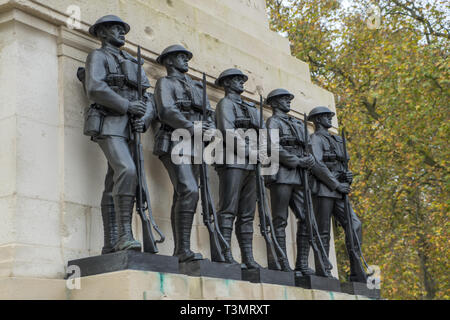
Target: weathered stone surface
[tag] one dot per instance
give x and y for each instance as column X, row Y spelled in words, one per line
column 32, row 289
column 243, row 290
column 322, row 295
column 274, row 292
column 295, row 293
column 143, row 285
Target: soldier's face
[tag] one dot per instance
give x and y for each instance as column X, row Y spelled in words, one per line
column 235, row 84
column 180, row 61
column 325, row 119
column 114, row 34
column 283, row 103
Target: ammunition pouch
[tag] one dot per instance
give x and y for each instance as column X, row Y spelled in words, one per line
column 130, row 70
column 93, row 120
column 329, row 157
column 162, row 141
column 289, row 141
column 245, row 123
column 184, row 104
column 116, row 81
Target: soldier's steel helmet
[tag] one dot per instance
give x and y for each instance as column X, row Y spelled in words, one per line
column 319, row 110
column 278, row 93
column 172, row 49
column 108, row 19
column 228, row 73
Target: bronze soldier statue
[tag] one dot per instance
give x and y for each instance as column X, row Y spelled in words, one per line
column 110, row 82
column 330, row 187
column 237, row 182
column 179, row 103
column 286, row 185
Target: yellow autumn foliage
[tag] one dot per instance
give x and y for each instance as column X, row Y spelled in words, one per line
column 387, row 64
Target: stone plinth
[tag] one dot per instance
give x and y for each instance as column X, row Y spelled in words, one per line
column 124, row 260
column 145, row 285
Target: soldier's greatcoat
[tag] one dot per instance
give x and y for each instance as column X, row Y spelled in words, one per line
column 290, row 148
column 237, row 182
column 111, row 89
column 329, row 153
column 103, row 71
column 234, row 113
column 328, row 172
column 179, row 103
column 286, row 187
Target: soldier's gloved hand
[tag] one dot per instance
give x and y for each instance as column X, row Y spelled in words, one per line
column 137, row 108
column 349, row 177
column 307, row 162
column 137, row 125
column 343, row 188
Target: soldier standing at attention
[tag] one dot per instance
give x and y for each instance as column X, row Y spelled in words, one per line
column 286, row 185
column 237, row 182
column 110, row 82
column 331, row 182
column 179, row 103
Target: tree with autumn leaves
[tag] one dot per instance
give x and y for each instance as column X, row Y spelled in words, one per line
column 387, row 64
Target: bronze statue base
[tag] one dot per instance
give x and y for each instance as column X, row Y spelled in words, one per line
column 207, row 268
column 359, row 288
column 319, row 283
column 269, row 276
column 126, row 260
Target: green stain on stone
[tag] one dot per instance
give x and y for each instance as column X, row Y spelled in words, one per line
column 161, row 282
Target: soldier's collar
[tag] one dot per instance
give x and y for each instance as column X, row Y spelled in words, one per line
column 112, row 49
column 281, row 114
column 234, row 97
column 179, row 76
column 324, row 132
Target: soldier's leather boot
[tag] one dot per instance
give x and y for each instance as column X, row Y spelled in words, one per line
column 246, row 244
column 301, row 263
column 226, row 228
column 124, row 211
column 357, row 272
column 109, row 228
column 284, row 263
column 183, row 227
column 326, row 245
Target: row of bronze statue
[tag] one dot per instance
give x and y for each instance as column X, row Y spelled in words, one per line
column 313, row 178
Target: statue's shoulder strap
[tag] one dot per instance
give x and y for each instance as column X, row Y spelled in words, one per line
column 128, row 56
column 248, row 104
column 328, row 139
column 111, row 61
